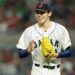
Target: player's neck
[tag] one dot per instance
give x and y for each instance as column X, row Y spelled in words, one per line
column 45, row 26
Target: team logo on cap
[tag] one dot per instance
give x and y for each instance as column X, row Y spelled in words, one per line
column 40, row 5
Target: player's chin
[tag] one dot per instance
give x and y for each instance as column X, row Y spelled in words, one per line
column 41, row 22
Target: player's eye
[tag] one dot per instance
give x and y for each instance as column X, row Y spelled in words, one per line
column 40, row 12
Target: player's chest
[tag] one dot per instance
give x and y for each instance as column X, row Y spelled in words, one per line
column 38, row 39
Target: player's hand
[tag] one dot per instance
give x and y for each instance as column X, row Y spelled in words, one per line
column 56, row 55
column 31, row 46
column 50, row 56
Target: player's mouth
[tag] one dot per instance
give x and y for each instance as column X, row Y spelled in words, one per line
column 40, row 18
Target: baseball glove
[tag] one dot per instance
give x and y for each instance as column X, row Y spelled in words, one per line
column 47, row 49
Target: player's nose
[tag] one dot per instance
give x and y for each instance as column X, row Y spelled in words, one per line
column 38, row 15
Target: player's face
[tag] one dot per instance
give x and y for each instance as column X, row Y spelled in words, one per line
column 42, row 16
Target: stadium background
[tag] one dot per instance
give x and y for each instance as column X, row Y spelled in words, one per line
column 15, row 16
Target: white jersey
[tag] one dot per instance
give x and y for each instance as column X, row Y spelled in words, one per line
column 57, row 34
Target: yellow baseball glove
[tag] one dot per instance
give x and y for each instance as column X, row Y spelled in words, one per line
column 47, row 49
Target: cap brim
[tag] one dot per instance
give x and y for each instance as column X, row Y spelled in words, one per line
column 40, row 10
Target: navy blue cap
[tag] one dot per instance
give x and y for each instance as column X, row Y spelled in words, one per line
column 43, row 6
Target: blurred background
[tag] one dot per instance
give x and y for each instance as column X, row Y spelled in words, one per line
column 15, row 16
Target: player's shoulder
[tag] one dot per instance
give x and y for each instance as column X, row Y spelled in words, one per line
column 30, row 28
column 60, row 26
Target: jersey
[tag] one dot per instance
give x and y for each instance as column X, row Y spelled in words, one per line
column 57, row 34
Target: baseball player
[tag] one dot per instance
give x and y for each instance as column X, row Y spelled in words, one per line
column 30, row 42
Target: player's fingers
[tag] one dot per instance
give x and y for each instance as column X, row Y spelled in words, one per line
column 33, row 44
column 49, row 55
column 30, row 47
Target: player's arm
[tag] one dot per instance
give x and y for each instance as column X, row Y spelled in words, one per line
column 65, row 43
column 65, row 53
column 24, row 53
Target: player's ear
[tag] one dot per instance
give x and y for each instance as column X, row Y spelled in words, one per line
column 50, row 14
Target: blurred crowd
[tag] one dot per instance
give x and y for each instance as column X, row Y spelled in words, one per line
column 64, row 12
column 11, row 64
column 15, row 16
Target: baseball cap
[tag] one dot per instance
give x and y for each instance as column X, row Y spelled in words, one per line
column 42, row 6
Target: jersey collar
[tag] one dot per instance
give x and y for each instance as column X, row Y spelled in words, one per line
column 47, row 33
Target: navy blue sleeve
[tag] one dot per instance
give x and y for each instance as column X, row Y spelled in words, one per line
column 23, row 53
column 65, row 53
